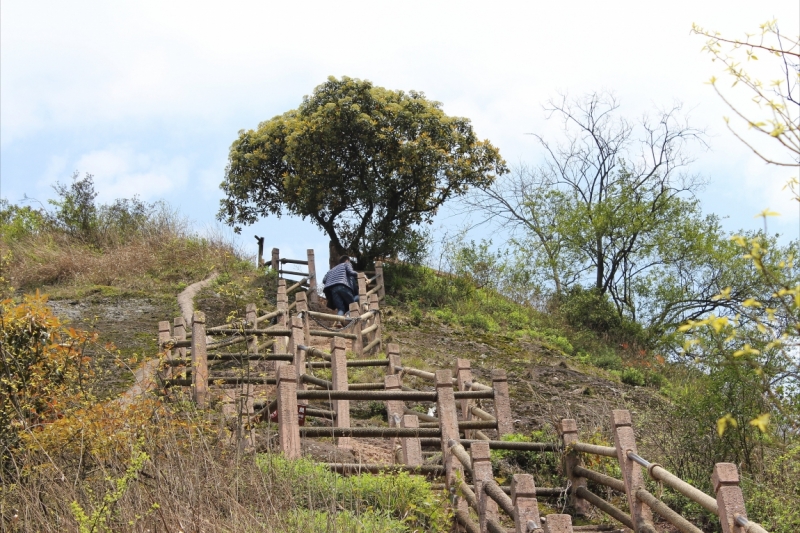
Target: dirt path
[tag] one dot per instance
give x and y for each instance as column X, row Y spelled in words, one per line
column 186, row 298
column 144, row 376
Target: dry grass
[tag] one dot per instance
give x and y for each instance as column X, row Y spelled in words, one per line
column 193, row 480
column 166, row 257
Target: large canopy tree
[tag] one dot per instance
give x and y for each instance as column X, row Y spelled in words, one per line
column 364, row 163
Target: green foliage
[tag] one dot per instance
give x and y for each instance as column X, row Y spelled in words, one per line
column 99, row 517
column 364, row 163
column 772, row 495
column 17, row 222
column 403, row 497
column 75, row 212
column 588, row 308
column 633, row 376
column 342, row 522
column 544, row 466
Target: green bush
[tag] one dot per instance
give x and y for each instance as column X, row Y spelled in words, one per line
column 401, row 496
column 608, row 361
column 342, row 522
column 543, row 465
column 633, row 376
column 479, row 321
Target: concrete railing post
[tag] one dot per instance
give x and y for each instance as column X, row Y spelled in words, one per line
column 199, row 360
column 448, row 425
column 481, row 474
column 569, row 435
column 362, row 292
column 296, row 341
column 302, row 311
column 164, row 334
column 412, row 450
column 393, row 355
column 526, row 508
column 502, row 403
column 394, row 408
column 730, row 500
column 250, row 315
column 558, row 523
column 374, row 305
column 358, row 342
column 339, row 380
column 288, row 426
column 275, row 263
column 625, row 441
column 179, row 332
column 282, row 322
column 313, row 295
column 379, row 280
column 463, row 378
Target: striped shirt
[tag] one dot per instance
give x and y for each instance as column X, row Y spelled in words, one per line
column 339, row 274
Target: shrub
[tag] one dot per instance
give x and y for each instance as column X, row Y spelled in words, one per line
column 608, row 361
column 401, row 496
column 479, row 321
column 633, row 376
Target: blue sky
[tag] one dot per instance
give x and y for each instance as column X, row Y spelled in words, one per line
column 148, row 96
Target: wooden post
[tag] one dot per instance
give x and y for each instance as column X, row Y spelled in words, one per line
column 250, row 315
column 288, row 426
column 526, row 508
column 481, row 474
column 362, row 292
column 199, row 360
column 464, row 376
column 302, row 310
column 502, row 403
column 558, row 523
column 358, row 342
column 569, row 435
column 339, row 380
column 260, row 262
column 275, row 263
column 313, row 295
column 730, row 500
column 379, row 280
column 374, row 305
column 625, row 442
column 448, row 424
column 412, row 451
column 282, row 303
column 394, row 408
column 393, row 355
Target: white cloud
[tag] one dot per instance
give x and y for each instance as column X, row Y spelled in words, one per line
column 120, row 172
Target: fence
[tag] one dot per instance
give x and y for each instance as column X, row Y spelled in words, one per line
column 467, row 477
column 371, row 283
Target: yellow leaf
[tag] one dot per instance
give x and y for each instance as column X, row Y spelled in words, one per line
column 724, row 422
column 766, row 213
column 750, row 302
column 761, row 422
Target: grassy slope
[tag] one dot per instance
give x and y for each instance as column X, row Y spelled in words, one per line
column 546, row 383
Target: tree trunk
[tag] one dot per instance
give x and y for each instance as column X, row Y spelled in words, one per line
column 335, row 252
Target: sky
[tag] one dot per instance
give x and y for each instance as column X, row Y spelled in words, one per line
column 148, row 96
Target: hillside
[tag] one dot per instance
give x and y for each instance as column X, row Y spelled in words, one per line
column 555, row 369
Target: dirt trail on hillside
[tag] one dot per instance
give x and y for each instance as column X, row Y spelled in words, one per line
column 144, row 376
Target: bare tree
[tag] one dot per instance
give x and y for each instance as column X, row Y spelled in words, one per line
column 597, row 208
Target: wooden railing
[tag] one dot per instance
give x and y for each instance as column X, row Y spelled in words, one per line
column 458, row 424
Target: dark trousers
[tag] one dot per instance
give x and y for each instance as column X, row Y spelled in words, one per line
column 342, row 298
